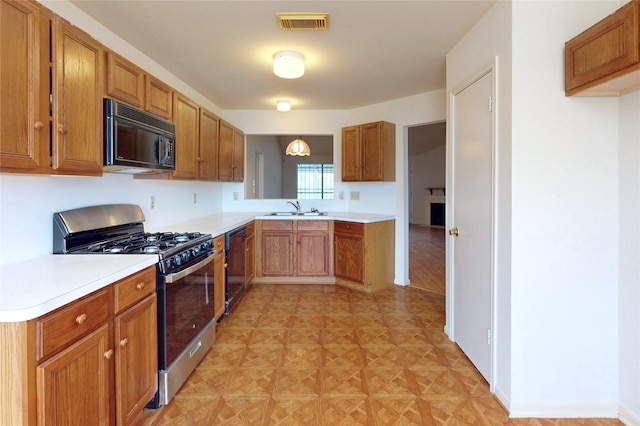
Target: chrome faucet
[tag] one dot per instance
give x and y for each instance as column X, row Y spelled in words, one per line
column 296, row 205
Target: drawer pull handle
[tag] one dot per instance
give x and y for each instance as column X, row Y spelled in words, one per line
column 124, row 342
column 80, row 319
column 140, row 286
column 108, row 354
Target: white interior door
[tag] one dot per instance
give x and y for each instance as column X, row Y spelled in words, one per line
column 472, row 248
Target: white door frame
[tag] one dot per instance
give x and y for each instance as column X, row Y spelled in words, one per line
column 449, row 327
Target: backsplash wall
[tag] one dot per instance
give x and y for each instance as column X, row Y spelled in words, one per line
column 27, row 204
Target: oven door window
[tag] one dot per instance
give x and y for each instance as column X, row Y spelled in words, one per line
column 188, row 308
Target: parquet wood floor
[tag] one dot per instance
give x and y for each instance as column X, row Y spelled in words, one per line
column 320, row 355
column 427, row 258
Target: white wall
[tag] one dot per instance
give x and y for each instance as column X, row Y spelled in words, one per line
column 565, row 217
column 629, row 292
column 487, row 43
column 27, row 204
column 385, row 197
column 567, row 222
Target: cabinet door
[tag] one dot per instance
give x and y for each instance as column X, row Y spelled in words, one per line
column 238, row 155
column 125, row 81
column 372, row 152
column 77, row 101
column 250, row 259
column 219, row 284
column 24, row 87
column 607, row 50
column 186, row 114
column 312, row 253
column 225, row 158
column 75, row 387
column 351, row 154
column 136, row 359
column 158, row 98
column 349, row 256
column 208, row 156
column 277, row 253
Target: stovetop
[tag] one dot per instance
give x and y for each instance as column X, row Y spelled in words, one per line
column 118, row 229
column 146, row 243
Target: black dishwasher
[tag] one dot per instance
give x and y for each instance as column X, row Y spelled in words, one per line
column 235, row 257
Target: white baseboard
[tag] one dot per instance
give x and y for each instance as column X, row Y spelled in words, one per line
column 519, row 409
column 504, row 399
column 629, row 418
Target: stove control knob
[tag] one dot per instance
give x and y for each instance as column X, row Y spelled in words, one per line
column 176, row 260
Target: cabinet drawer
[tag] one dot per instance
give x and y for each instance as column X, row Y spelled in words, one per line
column 348, row 227
column 136, row 287
column 277, row 225
column 59, row 328
column 218, row 243
column 313, row 225
column 250, row 228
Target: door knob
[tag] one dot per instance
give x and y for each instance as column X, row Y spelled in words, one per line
column 454, row 232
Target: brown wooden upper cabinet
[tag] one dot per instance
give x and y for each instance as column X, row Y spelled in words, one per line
column 604, row 60
column 69, row 141
column 129, row 83
column 231, row 153
column 369, row 152
column 187, row 120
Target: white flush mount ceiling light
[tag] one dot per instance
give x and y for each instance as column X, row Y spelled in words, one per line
column 288, row 64
column 283, row 106
column 298, row 147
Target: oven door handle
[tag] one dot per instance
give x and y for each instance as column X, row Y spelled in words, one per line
column 179, row 275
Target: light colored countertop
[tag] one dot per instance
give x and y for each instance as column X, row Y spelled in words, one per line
column 346, row 216
column 217, row 224
column 38, row 286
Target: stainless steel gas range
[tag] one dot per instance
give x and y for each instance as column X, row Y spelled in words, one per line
column 185, row 276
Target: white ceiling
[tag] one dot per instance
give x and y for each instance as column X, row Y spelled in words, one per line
column 373, row 51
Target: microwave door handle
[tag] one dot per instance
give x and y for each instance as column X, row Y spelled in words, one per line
column 165, row 142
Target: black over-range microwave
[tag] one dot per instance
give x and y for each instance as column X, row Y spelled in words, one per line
column 136, row 141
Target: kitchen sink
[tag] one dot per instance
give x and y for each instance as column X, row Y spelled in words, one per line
column 297, row 214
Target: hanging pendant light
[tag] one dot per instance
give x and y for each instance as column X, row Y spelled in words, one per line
column 298, row 147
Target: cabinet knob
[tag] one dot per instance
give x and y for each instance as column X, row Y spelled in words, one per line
column 80, row 319
column 108, row 354
column 62, row 130
column 226, row 265
column 124, row 342
column 39, row 125
column 140, row 285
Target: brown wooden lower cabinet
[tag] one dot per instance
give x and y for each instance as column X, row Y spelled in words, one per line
column 219, row 277
column 294, row 251
column 357, row 255
column 364, row 255
column 77, row 383
column 250, row 245
column 101, row 370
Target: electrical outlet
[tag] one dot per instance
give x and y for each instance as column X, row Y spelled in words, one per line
column 195, row 198
column 152, row 202
column 355, row 195
column 235, row 196
column 341, row 195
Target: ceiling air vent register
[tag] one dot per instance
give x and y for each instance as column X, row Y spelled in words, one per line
column 303, row 21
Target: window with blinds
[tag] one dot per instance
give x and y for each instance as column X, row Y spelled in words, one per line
column 315, row 181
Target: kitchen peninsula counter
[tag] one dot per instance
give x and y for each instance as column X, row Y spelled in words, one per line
column 34, row 287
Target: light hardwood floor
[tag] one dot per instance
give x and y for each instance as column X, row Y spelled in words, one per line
column 315, row 355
